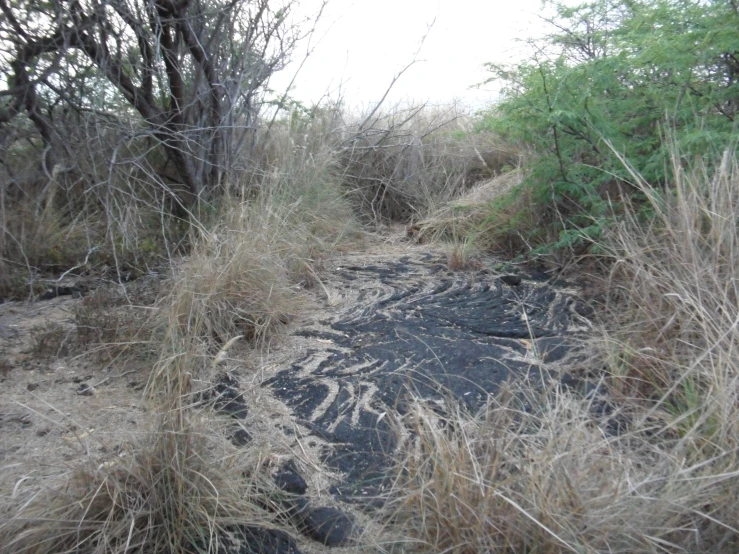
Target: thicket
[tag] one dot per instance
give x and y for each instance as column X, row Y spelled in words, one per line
column 646, row 461
column 126, row 126
column 121, row 120
column 616, row 80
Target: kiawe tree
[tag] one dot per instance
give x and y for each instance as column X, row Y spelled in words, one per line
column 190, row 71
column 620, row 80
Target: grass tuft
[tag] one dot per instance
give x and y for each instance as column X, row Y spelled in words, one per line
column 554, row 474
column 171, row 494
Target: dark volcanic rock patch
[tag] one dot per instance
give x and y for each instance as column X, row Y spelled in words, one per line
column 252, row 539
column 418, row 330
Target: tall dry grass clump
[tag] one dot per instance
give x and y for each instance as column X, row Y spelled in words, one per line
column 649, row 464
column 174, row 487
column 174, row 493
column 401, row 164
column 551, row 479
column 676, row 296
column 248, row 265
column 237, row 279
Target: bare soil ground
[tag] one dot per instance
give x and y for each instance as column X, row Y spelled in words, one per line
column 65, row 397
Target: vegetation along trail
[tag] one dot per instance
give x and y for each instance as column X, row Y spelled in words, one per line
column 391, row 326
column 231, row 322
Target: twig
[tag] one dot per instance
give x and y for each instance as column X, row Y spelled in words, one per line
column 63, row 275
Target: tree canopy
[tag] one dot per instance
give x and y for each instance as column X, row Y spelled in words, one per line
column 191, row 71
column 620, row 79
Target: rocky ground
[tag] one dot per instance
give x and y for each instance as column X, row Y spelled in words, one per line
column 329, row 399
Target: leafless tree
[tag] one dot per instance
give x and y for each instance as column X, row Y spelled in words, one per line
column 191, row 72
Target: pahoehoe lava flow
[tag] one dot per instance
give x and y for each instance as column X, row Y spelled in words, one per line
column 418, row 330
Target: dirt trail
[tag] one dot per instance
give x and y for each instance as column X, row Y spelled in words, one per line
column 390, row 324
column 398, row 325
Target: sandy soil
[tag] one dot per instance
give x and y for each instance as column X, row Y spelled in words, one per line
column 59, row 403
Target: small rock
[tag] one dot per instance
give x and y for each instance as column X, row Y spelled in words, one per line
column 552, row 349
column 240, row 437
column 31, row 387
column 228, row 398
column 581, row 386
column 328, row 526
column 85, row 390
column 511, row 280
column 288, row 479
column 583, row 309
column 43, row 432
column 136, row 385
column 297, row 507
column 55, row 291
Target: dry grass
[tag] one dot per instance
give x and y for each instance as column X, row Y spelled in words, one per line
column 468, row 217
column 677, row 291
column 462, row 256
column 405, row 163
column 50, row 339
column 555, row 477
column 399, row 164
column 118, row 327
column 182, row 481
column 534, row 472
column 174, row 489
column 231, row 285
column 108, row 207
column 33, row 242
column 245, row 274
column 547, row 480
column 174, row 492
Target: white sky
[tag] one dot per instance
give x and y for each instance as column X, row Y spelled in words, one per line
column 361, row 44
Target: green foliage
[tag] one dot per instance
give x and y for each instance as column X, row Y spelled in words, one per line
column 619, row 79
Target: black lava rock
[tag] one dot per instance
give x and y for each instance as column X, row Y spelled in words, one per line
column 55, row 291
column 461, row 334
column 328, row 526
column 251, row 539
column 295, row 508
column 228, row 399
column 240, row 437
column 511, row 280
column 85, row 390
column 552, row 349
column 583, row 309
column 288, row 479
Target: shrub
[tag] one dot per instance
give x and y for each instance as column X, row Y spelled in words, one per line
column 612, row 81
column 402, row 164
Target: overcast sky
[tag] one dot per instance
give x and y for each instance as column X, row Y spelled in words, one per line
column 361, row 44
